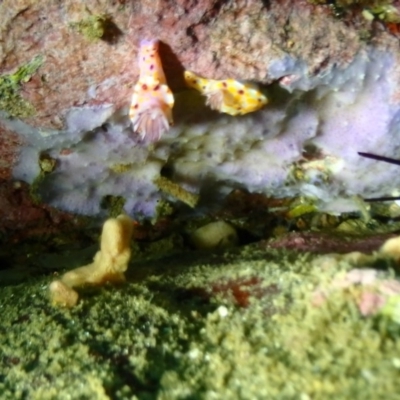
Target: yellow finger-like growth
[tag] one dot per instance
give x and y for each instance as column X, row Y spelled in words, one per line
column 109, row 263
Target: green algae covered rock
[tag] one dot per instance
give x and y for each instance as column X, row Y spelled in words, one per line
column 243, row 324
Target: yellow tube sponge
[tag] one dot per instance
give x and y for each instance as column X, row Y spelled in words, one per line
column 109, row 263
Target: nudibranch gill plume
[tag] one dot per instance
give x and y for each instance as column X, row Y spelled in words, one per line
column 228, row 96
column 152, row 100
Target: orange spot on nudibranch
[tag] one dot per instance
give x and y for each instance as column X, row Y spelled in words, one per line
column 224, row 84
column 241, row 91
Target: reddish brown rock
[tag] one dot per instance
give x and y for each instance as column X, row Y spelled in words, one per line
column 214, row 38
column 78, row 71
column 21, row 218
column 9, row 144
column 324, row 243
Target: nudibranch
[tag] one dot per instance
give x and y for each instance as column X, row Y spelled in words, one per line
column 228, row 96
column 152, row 100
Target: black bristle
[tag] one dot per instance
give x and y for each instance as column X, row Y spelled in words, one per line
column 380, row 158
column 385, row 159
column 382, row 199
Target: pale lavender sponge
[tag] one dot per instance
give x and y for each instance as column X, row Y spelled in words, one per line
column 315, row 123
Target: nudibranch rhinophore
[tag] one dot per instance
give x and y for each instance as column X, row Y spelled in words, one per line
column 152, row 100
column 228, row 96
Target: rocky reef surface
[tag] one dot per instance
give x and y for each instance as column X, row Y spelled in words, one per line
column 68, row 73
column 248, row 323
column 231, row 289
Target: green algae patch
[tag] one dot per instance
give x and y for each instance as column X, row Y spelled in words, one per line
column 10, row 84
column 92, row 27
column 163, row 209
column 383, row 10
column 351, row 3
column 113, row 204
column 46, row 165
column 173, row 189
column 238, row 324
column 122, row 168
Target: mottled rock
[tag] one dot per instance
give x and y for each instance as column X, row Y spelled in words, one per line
column 324, row 243
column 9, row 145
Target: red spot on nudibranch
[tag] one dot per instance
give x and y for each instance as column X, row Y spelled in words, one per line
column 224, row 84
column 155, row 88
column 144, row 86
column 151, row 67
column 241, row 91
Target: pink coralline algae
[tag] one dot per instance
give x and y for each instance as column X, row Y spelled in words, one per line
column 373, row 291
